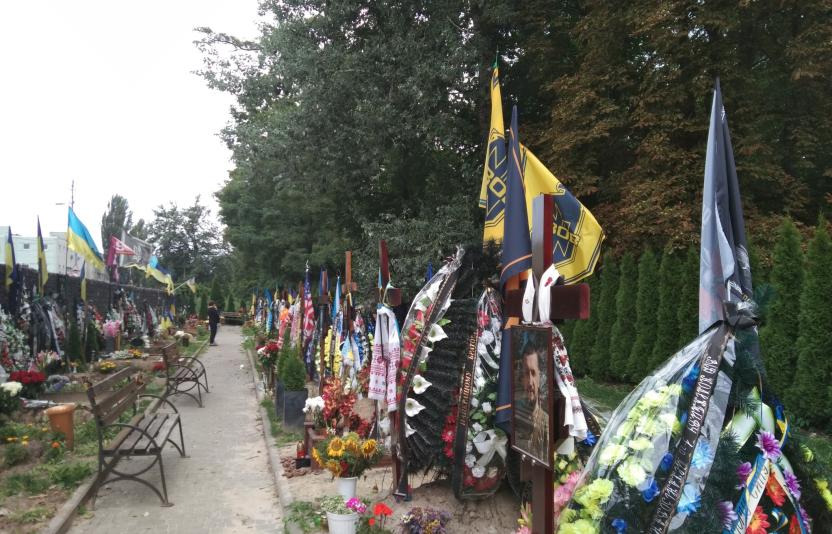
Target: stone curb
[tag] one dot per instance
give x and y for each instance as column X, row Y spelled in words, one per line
column 62, row 519
column 283, row 492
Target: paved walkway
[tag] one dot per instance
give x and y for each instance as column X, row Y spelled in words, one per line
column 226, row 486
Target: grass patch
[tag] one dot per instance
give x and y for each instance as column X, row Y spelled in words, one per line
column 281, row 436
column 606, row 396
column 305, row 515
column 31, row 516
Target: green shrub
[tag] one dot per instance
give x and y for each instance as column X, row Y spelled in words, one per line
column 73, row 348
column 667, row 324
column 647, row 300
column 810, row 392
column 624, row 328
column 777, row 337
column 294, row 374
column 599, row 340
column 69, row 475
column 14, row 454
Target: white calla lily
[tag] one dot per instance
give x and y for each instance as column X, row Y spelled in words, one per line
column 420, row 385
column 412, row 407
column 436, row 334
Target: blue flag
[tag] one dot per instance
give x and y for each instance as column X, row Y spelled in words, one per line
column 429, row 273
column 269, row 315
column 517, row 245
column 336, row 303
column 724, row 267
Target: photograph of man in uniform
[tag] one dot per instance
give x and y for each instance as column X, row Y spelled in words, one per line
column 531, row 403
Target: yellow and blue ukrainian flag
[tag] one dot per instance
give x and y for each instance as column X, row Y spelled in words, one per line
column 493, row 189
column 43, row 273
column 79, row 239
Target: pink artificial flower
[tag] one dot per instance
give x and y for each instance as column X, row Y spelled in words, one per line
column 767, row 443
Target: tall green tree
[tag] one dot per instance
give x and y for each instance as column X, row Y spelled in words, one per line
column 599, row 367
column 777, row 336
column 647, row 299
column 188, row 241
column 667, row 324
column 810, row 394
column 623, row 333
column 217, row 293
column 687, row 312
column 118, row 217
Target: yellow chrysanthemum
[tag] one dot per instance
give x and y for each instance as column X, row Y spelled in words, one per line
column 369, row 448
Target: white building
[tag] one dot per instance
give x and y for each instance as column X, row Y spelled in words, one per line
column 58, row 259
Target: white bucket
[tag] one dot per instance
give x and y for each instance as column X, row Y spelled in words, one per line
column 346, row 487
column 342, row 523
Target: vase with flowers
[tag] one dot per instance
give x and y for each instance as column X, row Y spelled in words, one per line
column 112, row 329
column 342, row 514
column 346, row 458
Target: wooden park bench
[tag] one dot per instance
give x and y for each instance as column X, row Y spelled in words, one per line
column 235, row 318
column 183, row 374
column 145, row 434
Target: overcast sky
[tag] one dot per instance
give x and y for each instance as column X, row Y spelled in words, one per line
column 103, row 92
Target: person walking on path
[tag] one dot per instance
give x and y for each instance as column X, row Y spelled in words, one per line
column 213, row 320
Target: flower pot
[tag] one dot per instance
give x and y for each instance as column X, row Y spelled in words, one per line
column 109, row 345
column 61, row 419
column 279, row 392
column 342, row 523
column 346, row 487
column 293, row 403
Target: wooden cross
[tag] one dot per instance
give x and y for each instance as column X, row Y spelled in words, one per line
column 567, row 302
column 323, row 305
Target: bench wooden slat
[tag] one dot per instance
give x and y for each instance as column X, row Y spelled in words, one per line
column 111, row 408
column 145, row 446
column 105, row 385
column 123, row 434
column 149, row 424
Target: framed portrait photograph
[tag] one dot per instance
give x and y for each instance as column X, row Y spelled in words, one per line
column 532, row 392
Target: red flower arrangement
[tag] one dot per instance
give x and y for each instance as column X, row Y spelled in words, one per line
column 337, row 411
column 28, row 377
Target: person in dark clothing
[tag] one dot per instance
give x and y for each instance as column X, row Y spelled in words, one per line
column 213, row 320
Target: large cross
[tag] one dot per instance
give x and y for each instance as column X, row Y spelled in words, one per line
column 567, row 302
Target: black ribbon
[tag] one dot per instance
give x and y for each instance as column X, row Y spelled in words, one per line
column 466, row 390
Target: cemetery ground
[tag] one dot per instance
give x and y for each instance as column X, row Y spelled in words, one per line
column 38, row 473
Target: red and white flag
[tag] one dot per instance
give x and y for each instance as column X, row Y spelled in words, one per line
column 308, row 311
column 117, row 248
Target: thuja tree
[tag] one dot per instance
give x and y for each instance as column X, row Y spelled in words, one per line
column 667, row 325
column 810, row 394
column 623, row 329
column 216, row 292
column 778, row 335
column 582, row 336
column 687, row 295
column 638, row 364
column 599, row 366
column 203, row 307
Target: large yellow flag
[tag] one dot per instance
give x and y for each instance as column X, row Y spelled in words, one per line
column 576, row 235
column 493, row 189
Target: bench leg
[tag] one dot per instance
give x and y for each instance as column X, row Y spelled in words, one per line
column 165, row 502
column 181, row 441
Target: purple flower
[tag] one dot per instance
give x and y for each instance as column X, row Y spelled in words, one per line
column 793, row 484
column 767, row 443
column 727, row 514
column 619, row 525
column 804, row 516
column 743, row 470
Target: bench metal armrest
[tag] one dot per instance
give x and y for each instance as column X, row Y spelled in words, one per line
column 191, row 360
column 161, row 399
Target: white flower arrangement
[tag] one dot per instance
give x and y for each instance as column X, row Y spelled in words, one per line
column 12, row 388
column 314, row 404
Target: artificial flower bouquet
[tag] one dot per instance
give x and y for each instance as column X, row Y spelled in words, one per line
column 106, row 367
column 9, row 397
column 32, row 382
column 374, row 522
column 347, row 456
column 112, row 328
column 48, row 361
column 314, row 409
column 268, row 354
column 425, row 521
column 696, row 448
